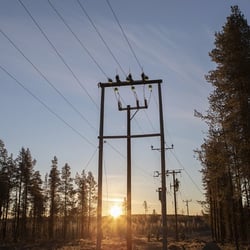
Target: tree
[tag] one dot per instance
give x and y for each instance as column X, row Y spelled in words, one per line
column 6, row 173
column 81, row 191
column 23, row 174
column 67, row 191
column 54, row 182
column 92, row 197
column 225, row 153
column 3, row 180
column 37, row 204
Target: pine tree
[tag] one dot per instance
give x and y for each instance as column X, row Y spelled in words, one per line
column 37, row 204
column 81, row 191
column 225, row 153
column 5, row 187
column 54, row 183
column 3, row 180
column 67, row 192
column 23, row 174
column 92, row 197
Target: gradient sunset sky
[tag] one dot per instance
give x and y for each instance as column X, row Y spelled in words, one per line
column 54, row 54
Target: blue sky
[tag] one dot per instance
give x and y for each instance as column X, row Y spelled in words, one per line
column 171, row 40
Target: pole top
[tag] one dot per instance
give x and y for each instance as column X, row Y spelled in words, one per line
column 128, row 83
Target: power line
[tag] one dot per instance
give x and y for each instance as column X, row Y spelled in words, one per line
column 77, row 38
column 124, row 157
column 175, row 156
column 58, row 54
column 47, row 107
column 47, row 80
column 90, row 159
column 124, row 35
column 101, row 37
column 187, row 172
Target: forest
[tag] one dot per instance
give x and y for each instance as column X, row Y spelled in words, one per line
column 225, row 153
column 58, row 207
column 63, row 208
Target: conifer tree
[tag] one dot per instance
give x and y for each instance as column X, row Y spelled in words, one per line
column 25, row 165
column 92, row 197
column 37, row 204
column 54, row 183
column 67, row 192
column 81, row 191
column 225, row 153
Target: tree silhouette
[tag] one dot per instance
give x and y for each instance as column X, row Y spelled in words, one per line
column 225, row 153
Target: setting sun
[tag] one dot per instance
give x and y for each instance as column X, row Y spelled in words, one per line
column 115, row 211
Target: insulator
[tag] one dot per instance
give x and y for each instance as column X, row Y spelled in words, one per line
column 117, row 78
column 137, row 103
column 150, row 87
column 145, row 103
column 110, row 80
column 129, row 78
column 144, row 77
column 119, row 105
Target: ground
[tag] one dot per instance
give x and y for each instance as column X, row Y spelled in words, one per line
column 120, row 244
column 143, row 244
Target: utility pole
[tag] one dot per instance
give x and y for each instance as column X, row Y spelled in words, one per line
column 187, row 201
column 129, row 82
column 163, row 191
column 176, row 187
column 129, row 219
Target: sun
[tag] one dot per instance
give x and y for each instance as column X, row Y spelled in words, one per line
column 115, row 211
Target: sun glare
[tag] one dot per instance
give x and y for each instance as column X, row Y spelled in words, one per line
column 115, row 211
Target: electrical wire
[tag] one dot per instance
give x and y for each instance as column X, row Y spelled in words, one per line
column 101, row 36
column 90, row 159
column 47, row 107
column 190, row 177
column 58, row 54
column 124, row 157
column 47, row 80
column 124, row 35
column 77, row 38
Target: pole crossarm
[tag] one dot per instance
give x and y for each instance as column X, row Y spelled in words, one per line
column 131, row 136
column 175, row 171
column 128, row 83
column 137, row 107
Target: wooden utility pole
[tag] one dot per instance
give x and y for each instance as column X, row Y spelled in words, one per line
column 187, row 201
column 176, row 187
column 129, row 219
column 100, row 174
column 163, row 190
column 128, row 108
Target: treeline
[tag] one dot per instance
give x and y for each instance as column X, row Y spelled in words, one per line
column 149, row 225
column 58, row 207
column 225, row 153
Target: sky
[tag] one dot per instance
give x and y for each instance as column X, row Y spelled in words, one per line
column 54, row 54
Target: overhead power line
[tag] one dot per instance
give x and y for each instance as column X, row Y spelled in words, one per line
column 47, row 107
column 47, row 80
column 77, row 38
column 124, row 35
column 101, row 37
column 190, row 177
column 58, row 54
column 90, row 159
